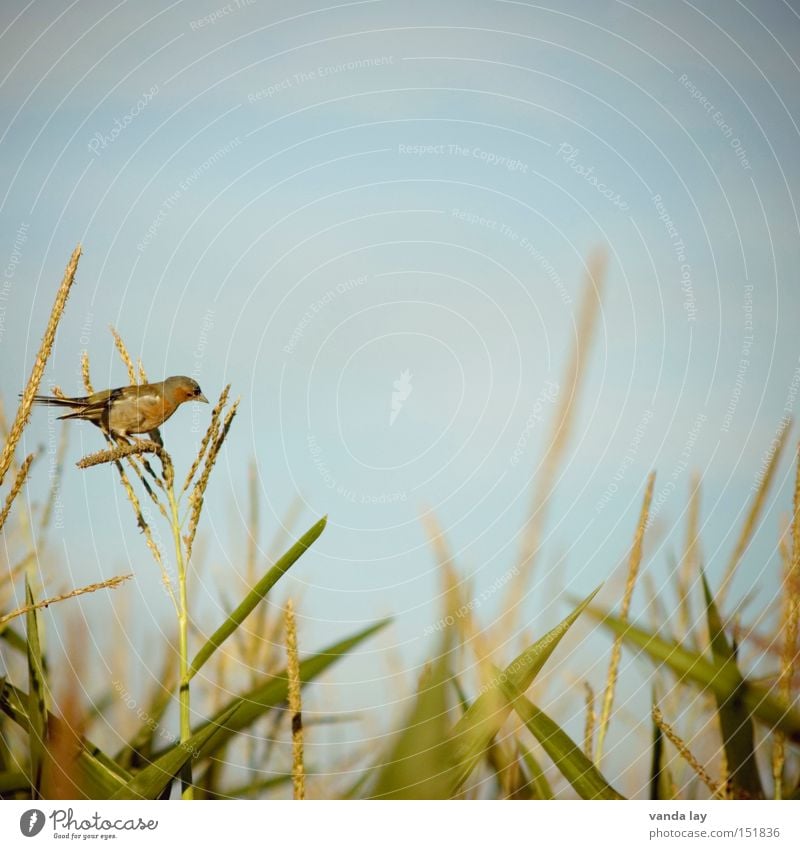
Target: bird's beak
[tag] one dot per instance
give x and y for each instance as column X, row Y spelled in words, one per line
column 202, row 398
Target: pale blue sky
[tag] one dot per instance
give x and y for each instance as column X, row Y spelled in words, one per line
column 263, row 161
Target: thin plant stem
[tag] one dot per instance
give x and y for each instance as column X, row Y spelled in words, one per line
column 136, row 454
column 591, row 719
column 183, row 636
column 790, row 622
column 688, row 567
column 616, row 650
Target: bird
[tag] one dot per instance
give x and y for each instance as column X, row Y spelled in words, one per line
column 130, row 409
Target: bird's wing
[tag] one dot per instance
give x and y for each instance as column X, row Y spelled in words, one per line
column 96, row 401
column 93, row 408
column 103, row 399
column 138, row 410
column 93, row 405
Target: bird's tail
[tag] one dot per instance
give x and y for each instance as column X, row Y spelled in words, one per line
column 52, row 401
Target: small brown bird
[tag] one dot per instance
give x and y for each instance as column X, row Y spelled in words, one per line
column 130, row 409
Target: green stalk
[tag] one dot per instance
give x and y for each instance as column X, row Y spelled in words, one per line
column 183, row 640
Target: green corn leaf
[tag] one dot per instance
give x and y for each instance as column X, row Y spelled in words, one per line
column 153, row 780
column 37, row 706
column 94, row 775
column 571, row 762
column 538, row 783
column 734, row 718
column 248, row 791
column 273, row 692
column 463, row 701
column 691, row 666
column 256, row 594
column 655, row 763
column 107, row 762
column 354, row 790
column 476, row 729
column 14, row 781
column 7, row 759
column 14, row 639
column 206, row 786
column 418, row 764
column 140, row 746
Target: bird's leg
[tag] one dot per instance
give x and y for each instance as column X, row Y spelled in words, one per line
column 145, row 462
column 155, row 436
column 122, row 439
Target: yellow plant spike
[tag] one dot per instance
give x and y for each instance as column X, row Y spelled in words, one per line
column 616, row 650
column 124, row 355
column 684, row 751
column 295, row 707
column 19, row 480
column 24, row 411
column 755, row 508
column 87, row 380
column 111, row 583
